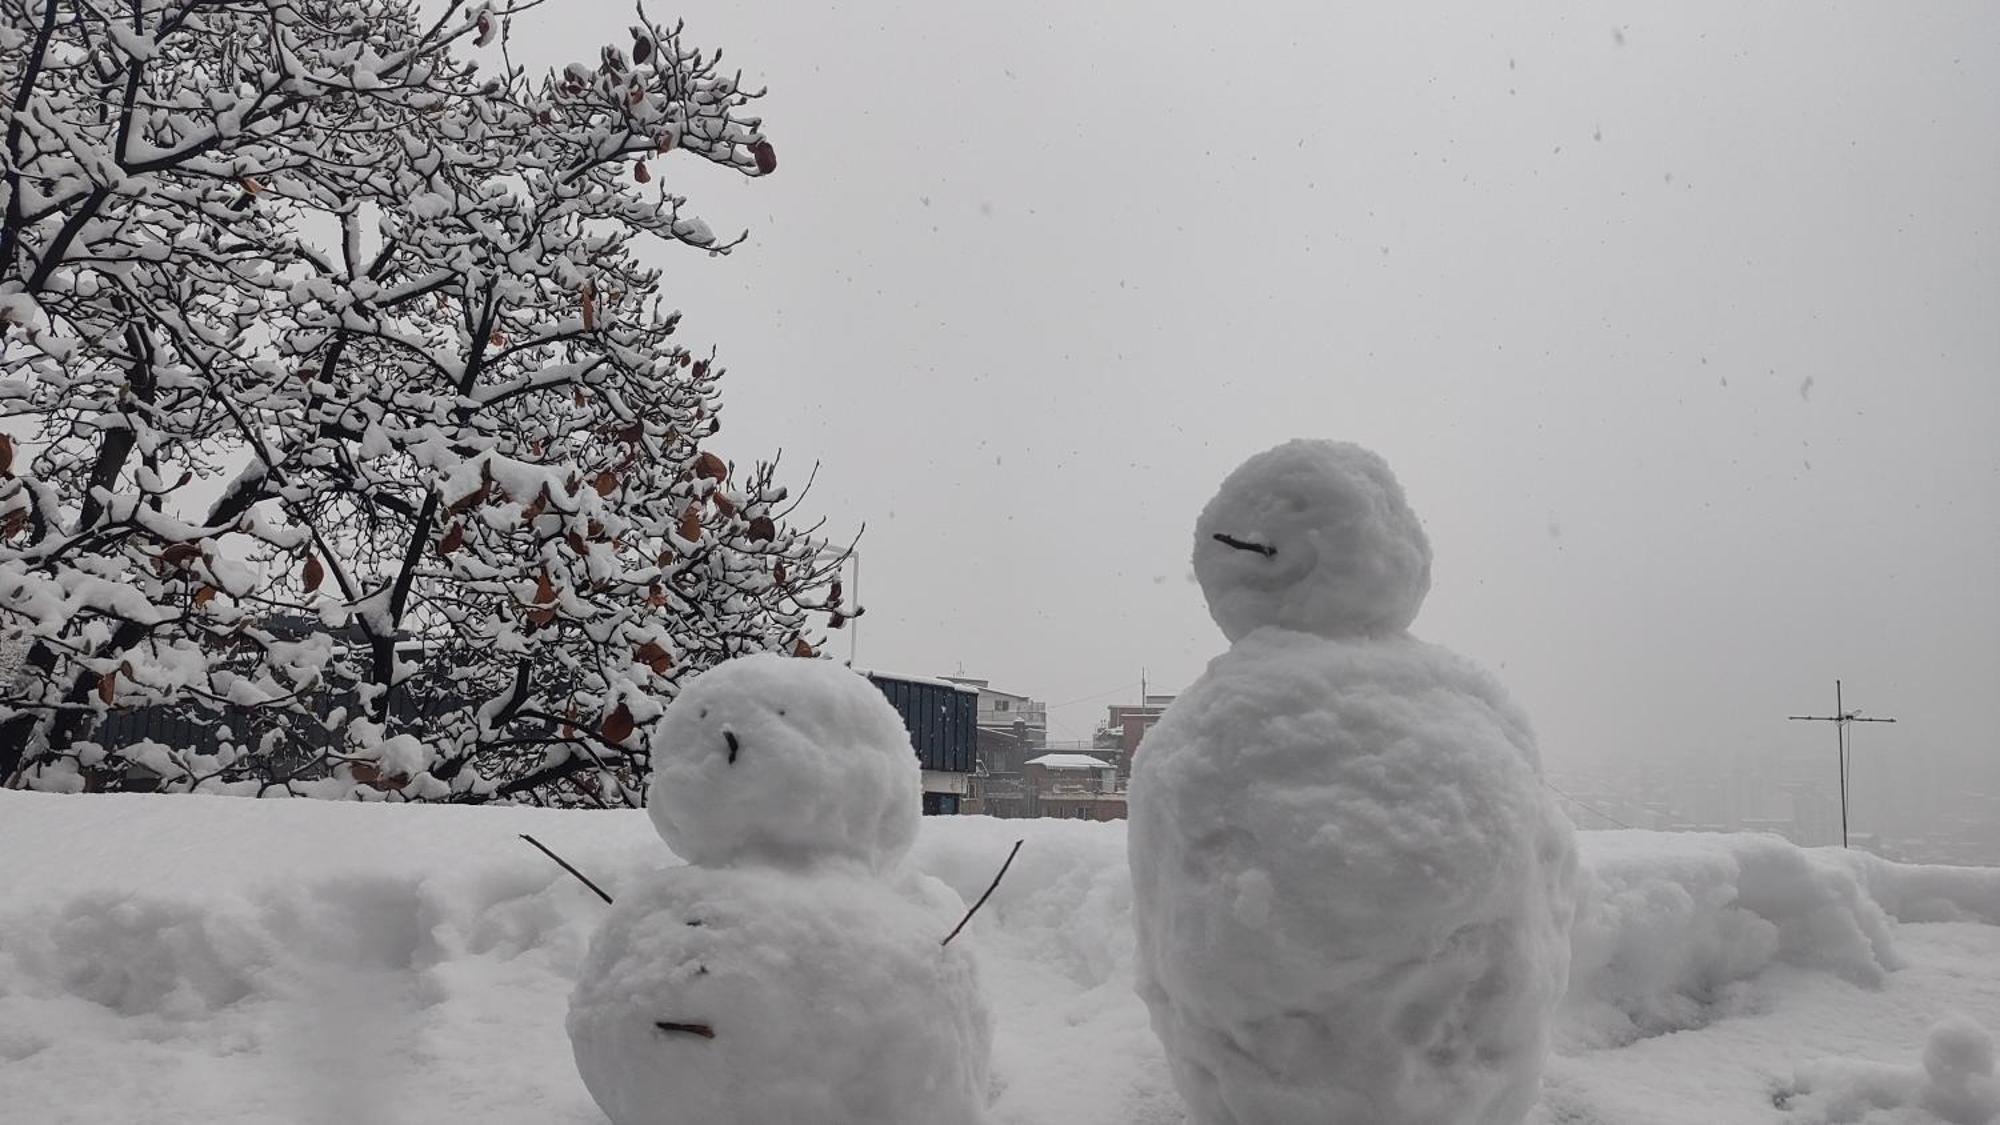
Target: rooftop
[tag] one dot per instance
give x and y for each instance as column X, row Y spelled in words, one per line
column 1070, row 762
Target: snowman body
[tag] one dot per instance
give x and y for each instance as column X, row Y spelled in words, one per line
column 1352, row 895
column 793, row 971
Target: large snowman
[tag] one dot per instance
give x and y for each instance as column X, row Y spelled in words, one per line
column 1351, row 892
column 792, row 972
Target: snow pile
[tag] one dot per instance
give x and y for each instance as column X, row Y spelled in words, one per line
column 1071, row 1041
column 182, row 960
column 1915, row 893
column 1954, row 1084
column 1671, row 928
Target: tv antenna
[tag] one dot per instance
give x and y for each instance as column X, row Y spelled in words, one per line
column 1840, row 718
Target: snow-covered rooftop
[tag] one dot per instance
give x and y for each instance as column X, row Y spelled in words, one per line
column 1070, row 762
column 930, row 681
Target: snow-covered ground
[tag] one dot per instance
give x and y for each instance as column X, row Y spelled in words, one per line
column 188, row 959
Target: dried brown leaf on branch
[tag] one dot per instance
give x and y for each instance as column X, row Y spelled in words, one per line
column 6, row 455
column 314, row 573
column 653, row 656
column 107, row 687
column 710, row 467
column 763, row 529
column 690, row 525
column 534, row 511
column 618, row 725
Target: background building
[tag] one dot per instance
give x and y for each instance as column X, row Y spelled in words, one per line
column 1074, row 786
column 941, row 718
column 1125, row 726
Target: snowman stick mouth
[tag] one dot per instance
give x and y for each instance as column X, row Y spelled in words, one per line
column 730, row 738
column 701, row 1029
column 1265, row 550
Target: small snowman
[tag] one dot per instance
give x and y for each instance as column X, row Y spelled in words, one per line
column 1352, row 895
column 793, row 972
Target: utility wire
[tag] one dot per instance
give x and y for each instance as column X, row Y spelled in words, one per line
column 1582, row 805
column 1088, row 698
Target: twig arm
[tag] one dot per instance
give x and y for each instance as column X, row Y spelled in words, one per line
column 581, row 877
column 991, row 887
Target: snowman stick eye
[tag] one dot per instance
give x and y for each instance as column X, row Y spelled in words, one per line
column 1231, row 541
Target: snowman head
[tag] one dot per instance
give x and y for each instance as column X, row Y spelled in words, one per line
column 784, row 762
column 1313, row 536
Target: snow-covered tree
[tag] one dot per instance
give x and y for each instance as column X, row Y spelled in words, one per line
column 471, row 532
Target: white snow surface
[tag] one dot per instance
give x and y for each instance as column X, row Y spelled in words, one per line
column 216, row 961
column 1353, row 893
column 1954, row 1083
column 770, row 759
column 829, row 998
column 1315, row 536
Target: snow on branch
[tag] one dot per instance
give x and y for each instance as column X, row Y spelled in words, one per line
column 473, row 528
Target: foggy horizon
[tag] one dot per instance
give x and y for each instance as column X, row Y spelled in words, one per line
column 1677, row 328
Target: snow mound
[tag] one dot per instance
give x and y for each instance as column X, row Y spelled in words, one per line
column 1954, row 1084
column 217, row 961
column 1916, row 893
column 1672, row 927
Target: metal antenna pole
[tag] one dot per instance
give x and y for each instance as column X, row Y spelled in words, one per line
column 1840, row 718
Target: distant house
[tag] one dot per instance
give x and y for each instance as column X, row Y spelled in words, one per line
column 1125, row 726
column 1074, row 786
column 942, row 718
column 1025, row 718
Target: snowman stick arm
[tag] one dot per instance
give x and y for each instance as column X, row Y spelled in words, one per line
column 564, row 864
column 990, row 888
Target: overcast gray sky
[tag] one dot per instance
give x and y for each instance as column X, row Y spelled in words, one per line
column 1680, row 324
